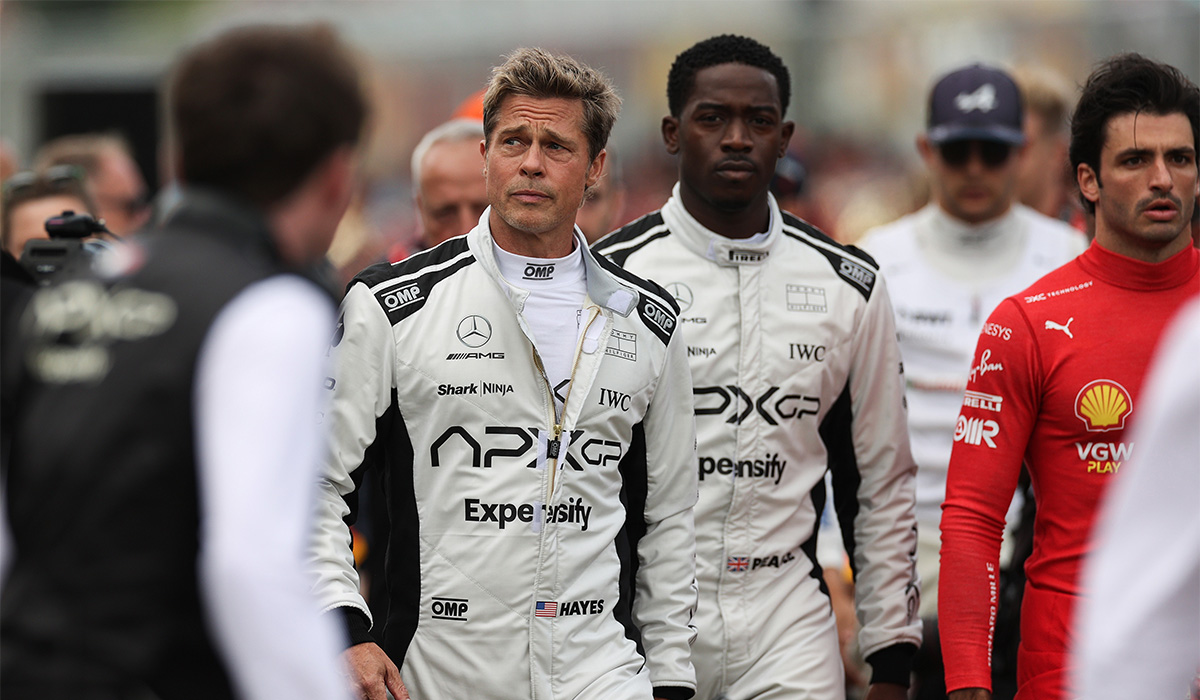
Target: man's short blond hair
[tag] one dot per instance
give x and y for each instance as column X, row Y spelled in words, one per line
column 81, row 150
column 534, row 72
column 1046, row 94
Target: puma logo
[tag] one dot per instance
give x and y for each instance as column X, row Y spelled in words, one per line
column 983, row 99
column 1065, row 327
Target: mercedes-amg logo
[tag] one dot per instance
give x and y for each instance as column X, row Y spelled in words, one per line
column 474, row 331
column 682, row 295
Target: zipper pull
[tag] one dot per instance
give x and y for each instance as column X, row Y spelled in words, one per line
column 554, row 444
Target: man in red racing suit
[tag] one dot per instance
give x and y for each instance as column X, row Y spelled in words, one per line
column 1057, row 372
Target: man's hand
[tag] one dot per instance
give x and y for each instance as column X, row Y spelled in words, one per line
column 970, row 694
column 371, row 671
column 886, row 691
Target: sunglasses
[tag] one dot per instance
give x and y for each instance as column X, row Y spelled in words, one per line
column 56, row 179
column 993, row 153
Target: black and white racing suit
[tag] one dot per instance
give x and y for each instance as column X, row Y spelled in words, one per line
column 517, row 535
column 793, row 353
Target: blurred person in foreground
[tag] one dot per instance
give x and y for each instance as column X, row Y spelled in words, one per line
column 163, row 469
column 113, row 179
column 1058, row 370
column 31, row 197
column 1137, row 634
column 948, row 265
column 605, row 202
column 792, row 347
column 527, row 408
column 447, row 173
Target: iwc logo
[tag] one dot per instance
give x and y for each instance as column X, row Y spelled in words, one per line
column 682, row 294
column 474, row 331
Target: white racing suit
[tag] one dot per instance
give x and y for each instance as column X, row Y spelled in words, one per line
column 517, row 537
column 793, row 353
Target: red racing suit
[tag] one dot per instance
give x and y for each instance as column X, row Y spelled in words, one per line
column 1055, row 378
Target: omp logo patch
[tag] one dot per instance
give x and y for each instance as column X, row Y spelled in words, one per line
column 534, row 271
column 1103, row 405
column 657, row 315
column 393, row 299
column 449, row 609
column 857, row 274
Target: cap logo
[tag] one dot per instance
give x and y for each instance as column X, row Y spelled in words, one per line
column 983, row 99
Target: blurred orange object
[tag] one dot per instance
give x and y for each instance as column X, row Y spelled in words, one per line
column 470, row 108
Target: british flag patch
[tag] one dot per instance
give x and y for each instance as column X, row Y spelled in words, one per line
column 738, row 563
column 545, row 608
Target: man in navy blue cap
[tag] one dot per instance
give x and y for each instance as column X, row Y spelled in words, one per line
column 948, row 265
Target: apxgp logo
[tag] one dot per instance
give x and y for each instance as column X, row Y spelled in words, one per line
column 457, row 446
column 787, row 407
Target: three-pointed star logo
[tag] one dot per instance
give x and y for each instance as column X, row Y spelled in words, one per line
column 474, row 331
column 682, row 295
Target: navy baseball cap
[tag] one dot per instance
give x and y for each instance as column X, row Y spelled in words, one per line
column 976, row 102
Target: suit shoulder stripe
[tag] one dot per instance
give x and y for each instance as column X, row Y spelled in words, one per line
column 402, row 288
column 620, row 244
column 854, row 266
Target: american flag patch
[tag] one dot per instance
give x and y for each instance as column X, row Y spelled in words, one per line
column 738, row 563
column 545, row 608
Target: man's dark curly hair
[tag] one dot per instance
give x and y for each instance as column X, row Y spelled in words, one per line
column 727, row 48
column 1127, row 83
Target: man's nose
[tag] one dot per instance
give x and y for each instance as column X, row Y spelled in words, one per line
column 736, row 136
column 1160, row 175
column 531, row 163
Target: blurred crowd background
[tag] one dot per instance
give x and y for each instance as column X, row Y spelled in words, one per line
column 861, row 72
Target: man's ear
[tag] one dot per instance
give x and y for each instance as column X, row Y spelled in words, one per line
column 670, row 133
column 596, row 169
column 925, row 148
column 1089, row 182
column 789, row 128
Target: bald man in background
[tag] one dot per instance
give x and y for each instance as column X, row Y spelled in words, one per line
column 447, row 175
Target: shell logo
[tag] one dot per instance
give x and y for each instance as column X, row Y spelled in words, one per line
column 1103, row 405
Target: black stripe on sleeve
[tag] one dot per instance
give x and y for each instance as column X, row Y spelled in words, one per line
column 402, row 562
column 838, row 438
column 633, row 497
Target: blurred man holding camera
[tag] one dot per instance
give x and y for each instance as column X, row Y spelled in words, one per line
column 161, row 478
